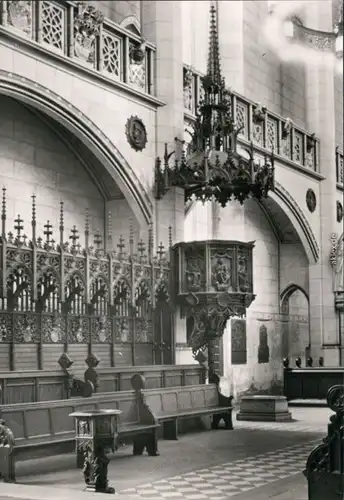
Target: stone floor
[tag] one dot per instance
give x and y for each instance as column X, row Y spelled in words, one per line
column 256, row 461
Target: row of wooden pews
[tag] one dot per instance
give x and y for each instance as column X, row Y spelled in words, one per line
column 45, row 427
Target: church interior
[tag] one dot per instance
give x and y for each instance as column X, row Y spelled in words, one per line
column 171, row 207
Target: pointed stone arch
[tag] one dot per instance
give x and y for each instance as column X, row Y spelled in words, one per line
column 53, row 105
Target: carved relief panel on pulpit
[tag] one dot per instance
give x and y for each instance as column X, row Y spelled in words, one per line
column 222, row 269
column 195, row 274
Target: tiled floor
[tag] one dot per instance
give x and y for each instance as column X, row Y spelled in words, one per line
column 256, row 461
column 228, row 479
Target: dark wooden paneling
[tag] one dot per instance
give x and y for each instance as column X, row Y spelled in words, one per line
column 25, row 357
column 311, row 383
column 51, row 355
column 4, row 357
column 78, row 353
column 103, row 351
column 123, row 355
column 32, row 386
column 143, row 354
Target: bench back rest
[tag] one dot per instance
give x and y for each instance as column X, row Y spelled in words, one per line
column 179, row 399
column 39, row 421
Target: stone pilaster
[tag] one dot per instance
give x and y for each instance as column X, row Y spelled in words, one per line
column 162, row 26
column 320, row 100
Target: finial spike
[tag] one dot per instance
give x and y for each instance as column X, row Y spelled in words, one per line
column 150, row 240
column 87, row 222
column 61, row 217
column 48, row 232
column 87, row 228
column 98, row 240
column 170, row 236
column 18, row 227
column 109, row 226
column 33, row 221
column 61, row 228
column 3, row 212
column 74, row 236
column 131, row 237
column 214, row 67
column 121, row 247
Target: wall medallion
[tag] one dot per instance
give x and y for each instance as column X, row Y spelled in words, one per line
column 136, row 133
column 339, row 212
column 311, row 200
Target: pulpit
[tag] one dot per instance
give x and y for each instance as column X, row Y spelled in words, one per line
column 212, row 281
column 96, row 434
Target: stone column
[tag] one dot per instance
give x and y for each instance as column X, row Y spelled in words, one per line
column 320, row 100
column 162, row 25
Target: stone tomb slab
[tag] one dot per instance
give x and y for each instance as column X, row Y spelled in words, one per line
column 264, row 409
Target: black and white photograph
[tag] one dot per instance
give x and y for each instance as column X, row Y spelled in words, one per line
column 171, row 250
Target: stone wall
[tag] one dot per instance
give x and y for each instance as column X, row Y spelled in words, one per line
column 276, row 84
column 293, row 267
column 33, row 160
column 118, row 10
column 338, row 96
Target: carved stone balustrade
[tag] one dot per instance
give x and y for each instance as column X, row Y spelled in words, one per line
column 265, row 129
column 212, row 282
column 80, row 32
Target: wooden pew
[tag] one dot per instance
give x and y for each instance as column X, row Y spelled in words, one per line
column 177, row 403
column 46, row 425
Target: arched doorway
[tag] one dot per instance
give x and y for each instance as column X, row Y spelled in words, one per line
column 295, row 311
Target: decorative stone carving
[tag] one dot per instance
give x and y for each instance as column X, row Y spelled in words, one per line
column 193, row 276
column 239, row 342
column 136, row 133
column 221, row 275
column 339, row 212
column 310, row 143
column 259, row 114
column 263, row 349
column 287, row 127
column 243, row 271
column 311, row 200
column 20, row 15
column 137, row 52
column 187, row 77
column 86, row 29
column 318, row 42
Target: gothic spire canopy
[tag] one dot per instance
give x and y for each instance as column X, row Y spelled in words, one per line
column 212, row 169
